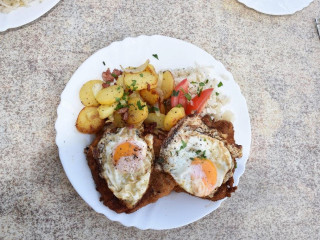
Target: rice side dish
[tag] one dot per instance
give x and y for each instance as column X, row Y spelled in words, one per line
column 217, row 100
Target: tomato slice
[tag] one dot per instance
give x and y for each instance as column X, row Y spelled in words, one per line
column 199, row 102
column 182, row 88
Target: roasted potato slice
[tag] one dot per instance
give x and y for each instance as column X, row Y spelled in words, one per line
column 138, row 111
column 139, row 81
column 109, row 95
column 167, row 85
column 87, row 93
column 173, row 116
column 150, row 68
column 89, row 121
column 150, row 96
column 106, row 110
column 157, row 118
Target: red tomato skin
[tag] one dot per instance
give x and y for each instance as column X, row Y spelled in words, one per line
column 180, row 99
column 199, row 102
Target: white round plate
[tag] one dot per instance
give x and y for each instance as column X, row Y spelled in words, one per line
column 24, row 15
column 170, row 211
column 277, row 7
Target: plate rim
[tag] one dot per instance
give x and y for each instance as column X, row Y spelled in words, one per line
column 244, row 2
column 11, row 23
column 135, row 39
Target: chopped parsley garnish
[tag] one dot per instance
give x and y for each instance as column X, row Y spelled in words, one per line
column 198, row 152
column 188, row 96
column 141, row 74
column 217, row 94
column 200, row 87
column 184, row 144
column 133, row 85
column 193, row 82
column 118, row 99
column 104, row 63
column 119, row 106
column 199, row 91
column 118, row 88
column 155, row 56
column 175, row 93
column 151, row 109
column 114, row 75
column 220, row 84
column 203, row 155
column 160, row 160
column 179, row 105
column 236, row 165
column 125, row 96
column 140, row 106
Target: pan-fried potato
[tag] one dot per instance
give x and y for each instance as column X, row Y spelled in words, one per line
column 139, row 81
column 173, row 116
column 106, row 110
column 150, row 68
column 159, row 119
column 138, row 111
column 118, row 121
column 150, row 96
column 89, row 121
column 109, row 95
column 86, row 94
column 167, row 85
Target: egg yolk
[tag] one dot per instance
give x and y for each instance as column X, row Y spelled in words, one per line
column 210, row 172
column 124, row 150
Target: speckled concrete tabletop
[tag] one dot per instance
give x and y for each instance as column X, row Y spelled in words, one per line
column 275, row 60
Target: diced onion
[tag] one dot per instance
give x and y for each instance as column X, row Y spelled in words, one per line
column 136, row 69
column 160, row 78
column 96, row 88
column 157, row 112
column 158, row 88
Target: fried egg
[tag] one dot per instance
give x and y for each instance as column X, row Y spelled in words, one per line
column 199, row 162
column 126, row 161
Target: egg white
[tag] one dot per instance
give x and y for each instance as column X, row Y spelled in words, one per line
column 180, row 157
column 128, row 185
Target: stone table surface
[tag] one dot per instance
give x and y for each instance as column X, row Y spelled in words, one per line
column 275, row 60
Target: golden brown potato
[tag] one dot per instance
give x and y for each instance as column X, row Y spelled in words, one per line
column 173, row 116
column 167, row 85
column 89, row 121
column 109, row 95
column 159, row 119
column 86, row 94
column 150, row 96
column 118, row 121
column 139, row 81
column 138, row 111
column 106, row 110
column 150, row 68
